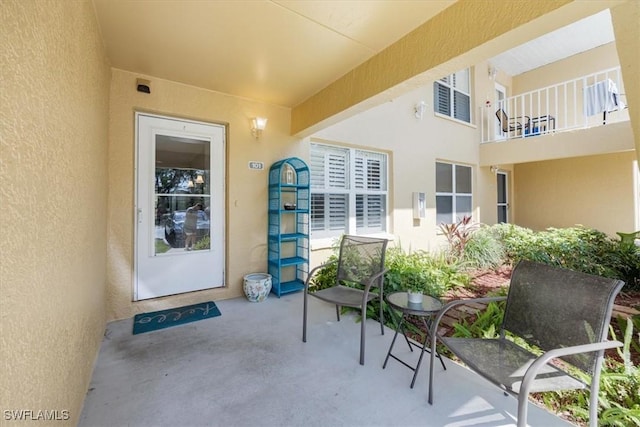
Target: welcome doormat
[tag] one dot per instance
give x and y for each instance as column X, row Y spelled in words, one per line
column 147, row 322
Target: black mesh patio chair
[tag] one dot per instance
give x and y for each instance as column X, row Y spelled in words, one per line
column 361, row 263
column 514, row 124
column 563, row 313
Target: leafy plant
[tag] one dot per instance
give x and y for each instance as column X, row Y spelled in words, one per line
column 483, row 251
column 485, row 324
column 325, row 277
column 619, row 396
column 626, row 260
column 204, row 243
column 423, row 272
column 577, row 248
column 458, row 234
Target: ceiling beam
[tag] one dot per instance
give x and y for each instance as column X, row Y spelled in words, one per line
column 467, row 32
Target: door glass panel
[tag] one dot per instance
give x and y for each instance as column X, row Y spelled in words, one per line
column 182, row 195
column 502, row 188
column 502, row 214
column 503, row 203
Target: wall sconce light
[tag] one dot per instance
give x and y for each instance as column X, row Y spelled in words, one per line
column 494, row 169
column 492, row 72
column 257, row 126
column 419, row 109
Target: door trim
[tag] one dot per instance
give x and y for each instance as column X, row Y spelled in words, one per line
column 135, row 210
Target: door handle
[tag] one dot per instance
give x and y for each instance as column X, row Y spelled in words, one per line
column 139, row 216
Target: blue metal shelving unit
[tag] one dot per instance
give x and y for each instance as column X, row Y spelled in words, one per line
column 288, row 233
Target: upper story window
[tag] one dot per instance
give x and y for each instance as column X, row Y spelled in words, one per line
column 348, row 191
column 453, row 192
column 452, row 95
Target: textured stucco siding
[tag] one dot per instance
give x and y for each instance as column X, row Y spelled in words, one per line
column 54, row 99
column 594, row 191
column 465, row 33
column 246, row 190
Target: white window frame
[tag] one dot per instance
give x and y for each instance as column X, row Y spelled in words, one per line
column 451, row 82
column 357, row 184
column 453, row 193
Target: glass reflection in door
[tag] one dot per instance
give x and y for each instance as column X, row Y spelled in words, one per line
column 182, row 195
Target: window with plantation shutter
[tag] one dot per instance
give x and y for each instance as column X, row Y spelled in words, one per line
column 348, row 191
column 452, row 96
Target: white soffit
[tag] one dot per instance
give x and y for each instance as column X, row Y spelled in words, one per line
column 583, row 35
column 275, row 51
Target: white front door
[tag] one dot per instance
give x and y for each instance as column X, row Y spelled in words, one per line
column 179, row 208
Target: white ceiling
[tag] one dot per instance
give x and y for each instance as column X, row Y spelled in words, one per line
column 283, row 51
column 280, row 51
column 588, row 33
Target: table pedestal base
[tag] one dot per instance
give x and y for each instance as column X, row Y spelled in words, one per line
column 423, row 347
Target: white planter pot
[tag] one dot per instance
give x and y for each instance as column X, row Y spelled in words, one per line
column 414, row 297
column 257, row 286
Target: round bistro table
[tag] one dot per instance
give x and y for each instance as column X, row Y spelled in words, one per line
column 425, row 310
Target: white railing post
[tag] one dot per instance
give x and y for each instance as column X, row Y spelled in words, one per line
column 560, row 108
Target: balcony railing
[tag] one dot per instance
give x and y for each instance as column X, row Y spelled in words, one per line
column 587, row 101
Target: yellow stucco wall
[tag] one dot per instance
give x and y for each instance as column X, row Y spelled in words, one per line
column 415, row 145
column 595, row 191
column 625, row 18
column 54, row 98
column 246, row 202
column 438, row 47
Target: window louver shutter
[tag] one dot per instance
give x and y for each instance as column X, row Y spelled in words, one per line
column 442, row 99
column 370, row 173
column 338, row 212
column 461, row 107
column 333, row 185
column 317, row 212
column 370, row 213
column 329, row 167
column 375, row 211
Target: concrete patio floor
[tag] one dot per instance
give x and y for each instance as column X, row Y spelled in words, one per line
column 249, row 367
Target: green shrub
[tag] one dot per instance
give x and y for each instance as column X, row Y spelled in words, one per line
column 519, row 243
column 402, row 268
column 204, row 243
column 576, row 248
column 431, row 274
column 484, row 251
column 626, row 260
column 326, row 276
